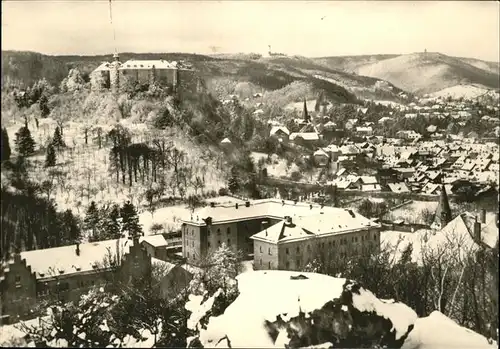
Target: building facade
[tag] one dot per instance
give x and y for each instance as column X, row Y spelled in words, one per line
column 117, row 75
column 65, row 273
column 243, row 227
column 289, row 245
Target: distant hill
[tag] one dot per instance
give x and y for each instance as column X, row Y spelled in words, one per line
column 419, row 72
column 224, row 74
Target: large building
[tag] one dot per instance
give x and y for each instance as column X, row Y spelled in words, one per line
column 67, row 272
column 292, row 243
column 114, row 75
column 243, row 228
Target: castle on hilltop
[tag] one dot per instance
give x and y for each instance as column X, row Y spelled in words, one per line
column 116, row 75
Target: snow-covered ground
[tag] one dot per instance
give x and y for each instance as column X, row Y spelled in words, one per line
column 437, row 331
column 242, row 323
column 85, row 169
column 278, row 167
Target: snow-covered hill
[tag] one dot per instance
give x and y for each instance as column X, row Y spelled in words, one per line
column 464, row 91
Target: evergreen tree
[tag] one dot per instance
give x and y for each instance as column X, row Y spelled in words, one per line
column 25, row 144
column 44, row 107
column 50, row 158
column 5, row 146
column 234, row 182
column 112, row 225
column 71, row 228
column 130, row 220
column 57, row 140
column 91, row 221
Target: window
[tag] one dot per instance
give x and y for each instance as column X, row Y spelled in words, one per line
column 298, row 249
column 218, row 243
column 63, row 286
column 269, row 251
column 322, row 245
column 218, row 231
column 229, row 241
column 261, row 261
column 374, row 236
column 287, row 264
column 209, row 244
column 356, row 239
column 18, row 281
column 287, row 251
column 362, row 238
column 260, row 249
column 352, row 239
column 228, row 230
column 192, row 231
column 269, row 265
column 298, row 263
column 187, row 254
column 333, row 243
column 192, row 243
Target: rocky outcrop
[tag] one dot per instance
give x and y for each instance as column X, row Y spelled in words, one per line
column 296, row 310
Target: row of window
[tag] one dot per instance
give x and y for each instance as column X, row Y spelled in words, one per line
column 228, row 231
column 333, row 243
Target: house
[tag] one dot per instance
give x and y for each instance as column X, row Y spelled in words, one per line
column 280, row 132
column 321, row 158
column 408, row 135
column 385, row 119
column 157, row 246
column 330, row 126
column 365, row 131
column 258, row 112
column 304, row 137
column 68, row 272
column 294, row 242
column 369, row 183
column 398, row 187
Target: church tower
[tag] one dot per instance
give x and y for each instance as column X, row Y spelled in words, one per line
column 443, row 211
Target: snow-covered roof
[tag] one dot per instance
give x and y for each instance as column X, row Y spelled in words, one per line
column 320, row 152
column 258, row 208
column 337, row 221
column 308, row 136
column 155, row 240
column 275, row 129
column 49, row 262
column 225, row 141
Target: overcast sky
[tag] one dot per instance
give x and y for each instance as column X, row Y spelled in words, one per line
column 469, row 29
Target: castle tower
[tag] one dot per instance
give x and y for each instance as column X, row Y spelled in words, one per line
column 443, row 211
column 114, row 73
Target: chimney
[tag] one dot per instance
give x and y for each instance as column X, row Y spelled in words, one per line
column 247, row 204
column 77, row 249
column 236, row 205
column 295, row 202
column 282, row 202
column 288, row 220
column 310, row 206
column 483, row 216
column 264, row 225
column 212, row 204
column 477, row 231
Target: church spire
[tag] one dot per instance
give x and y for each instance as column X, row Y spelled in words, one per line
column 305, row 114
column 443, row 211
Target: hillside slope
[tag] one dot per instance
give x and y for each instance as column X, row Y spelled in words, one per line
column 222, row 74
column 428, row 72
